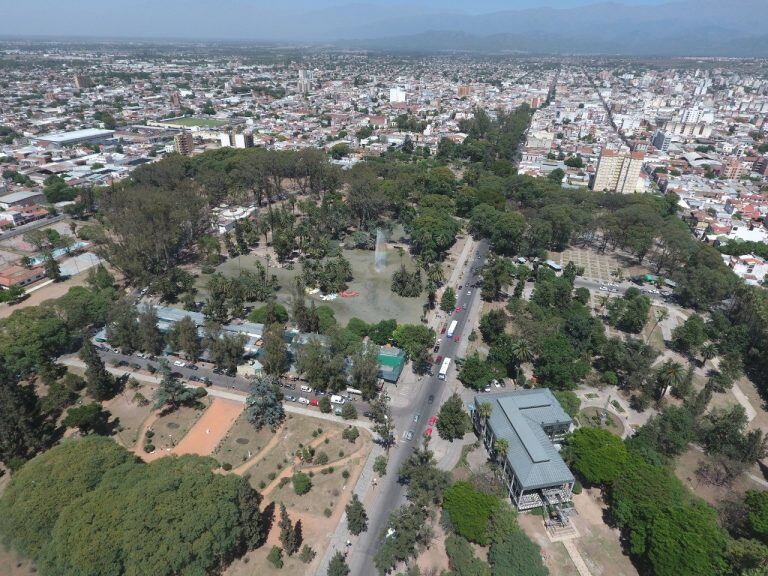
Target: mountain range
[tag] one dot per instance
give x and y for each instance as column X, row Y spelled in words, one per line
column 631, row 27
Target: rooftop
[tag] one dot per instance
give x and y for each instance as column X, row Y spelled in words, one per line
column 520, row 418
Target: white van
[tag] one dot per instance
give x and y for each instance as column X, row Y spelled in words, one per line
column 305, row 388
column 336, row 399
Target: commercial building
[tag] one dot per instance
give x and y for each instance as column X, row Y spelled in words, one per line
column 531, row 422
column 618, row 172
column 183, row 143
column 397, row 95
column 21, row 200
column 87, row 135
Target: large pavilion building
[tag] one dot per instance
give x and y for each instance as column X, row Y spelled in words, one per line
column 531, row 422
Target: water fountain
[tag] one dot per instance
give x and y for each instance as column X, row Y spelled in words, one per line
column 380, row 255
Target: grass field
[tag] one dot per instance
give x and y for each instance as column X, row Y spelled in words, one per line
column 202, row 122
column 241, row 441
column 375, row 302
column 171, row 428
column 590, row 417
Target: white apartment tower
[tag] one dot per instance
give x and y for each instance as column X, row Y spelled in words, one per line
column 618, row 172
column 397, row 94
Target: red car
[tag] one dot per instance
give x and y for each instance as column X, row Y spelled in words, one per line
column 313, row 402
column 428, row 432
column 432, row 420
column 458, row 308
column 439, row 360
column 442, row 330
column 457, row 339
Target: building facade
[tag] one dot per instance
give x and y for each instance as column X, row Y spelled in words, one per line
column 531, row 422
column 618, row 172
column 183, row 143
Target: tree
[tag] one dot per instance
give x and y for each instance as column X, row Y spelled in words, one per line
column 757, row 515
column 275, row 557
column 380, row 466
column 150, row 338
column 183, row 336
column 348, row 411
column 301, row 483
column 556, row 175
column 500, row 448
column 407, row 531
column 689, row 336
column 426, row 483
column 568, row 401
column 351, row 434
column 357, row 519
column 275, row 355
column 476, row 373
column 687, row 540
column 469, row 511
column 87, row 418
column 452, row 420
column 596, row 455
column 448, row 300
column 32, row 503
column 100, row 384
column 23, row 428
column 338, row 565
column 172, row 393
column 516, row 554
column 462, row 559
column 492, row 324
column 670, row 374
column 290, row 534
column 364, row 374
column 384, row 426
column 264, row 407
column 325, row 405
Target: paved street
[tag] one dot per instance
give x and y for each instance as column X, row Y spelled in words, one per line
column 425, row 401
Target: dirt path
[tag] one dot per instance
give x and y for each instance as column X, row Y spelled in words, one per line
column 210, row 429
column 245, row 466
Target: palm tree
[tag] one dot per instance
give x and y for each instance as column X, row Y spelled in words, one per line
column 501, row 446
column 522, row 351
column 670, row 374
column 708, row 352
column 661, row 315
column 603, row 300
column 435, row 274
column 484, row 410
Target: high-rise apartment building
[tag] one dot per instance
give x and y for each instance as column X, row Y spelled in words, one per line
column 306, row 77
column 618, row 172
column 661, row 140
column 183, row 143
column 397, row 95
column 81, row 81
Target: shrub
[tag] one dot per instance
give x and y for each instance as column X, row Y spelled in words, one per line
column 345, row 474
column 321, row 458
column 301, row 483
column 307, row 554
column 150, row 434
column 149, row 448
column 275, row 557
column 380, row 465
column 577, row 487
column 327, row 512
column 227, row 466
column 469, row 511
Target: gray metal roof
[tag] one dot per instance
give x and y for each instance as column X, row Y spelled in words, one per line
column 518, row 417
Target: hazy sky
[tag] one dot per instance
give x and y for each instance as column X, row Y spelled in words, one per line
column 236, row 19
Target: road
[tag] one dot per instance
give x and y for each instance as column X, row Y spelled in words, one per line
column 391, row 494
column 221, row 380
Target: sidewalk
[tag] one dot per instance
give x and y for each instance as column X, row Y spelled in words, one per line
column 218, row 392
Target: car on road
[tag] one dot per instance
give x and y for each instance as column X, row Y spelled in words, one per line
column 436, row 347
column 431, row 399
column 457, row 338
column 416, row 416
column 469, row 292
column 439, row 360
column 314, row 402
column 409, row 435
column 428, row 431
column 303, row 400
column 432, row 420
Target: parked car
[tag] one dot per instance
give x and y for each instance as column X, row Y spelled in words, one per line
column 290, row 398
column 303, row 400
column 313, row 402
column 305, row 388
column 409, row 435
column 179, row 363
column 428, row 432
column 416, row 416
column 337, row 411
column 368, row 414
column 457, row 338
column 431, row 399
column 336, row 399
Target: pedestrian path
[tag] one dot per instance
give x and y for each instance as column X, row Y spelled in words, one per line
column 578, row 561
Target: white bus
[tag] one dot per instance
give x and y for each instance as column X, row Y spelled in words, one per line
column 444, row 369
column 451, row 329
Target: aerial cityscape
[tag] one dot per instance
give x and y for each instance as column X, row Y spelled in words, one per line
column 333, row 289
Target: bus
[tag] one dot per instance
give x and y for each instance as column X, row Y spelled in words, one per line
column 451, row 329
column 444, row 369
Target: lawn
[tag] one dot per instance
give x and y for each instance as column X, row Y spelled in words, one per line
column 171, row 428
column 242, row 442
column 375, row 302
column 202, row 122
